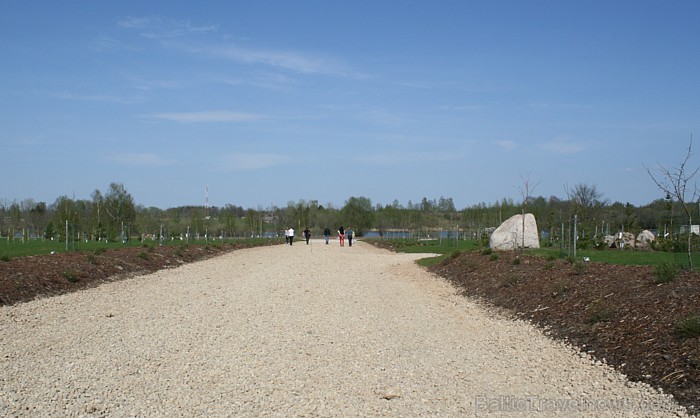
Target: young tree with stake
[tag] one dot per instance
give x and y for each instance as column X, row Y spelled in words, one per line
column 676, row 182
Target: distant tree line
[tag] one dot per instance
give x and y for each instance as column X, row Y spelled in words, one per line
column 114, row 215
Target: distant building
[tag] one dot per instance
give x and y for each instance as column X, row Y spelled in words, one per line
column 695, row 229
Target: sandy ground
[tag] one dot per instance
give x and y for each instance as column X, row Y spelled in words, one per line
column 302, row 330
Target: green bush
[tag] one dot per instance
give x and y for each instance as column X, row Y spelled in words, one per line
column 455, row 254
column 469, row 265
column 584, row 244
column 600, row 244
column 484, row 239
column 5, row 258
column 561, row 286
column 599, row 312
column 143, row 255
column 486, row 251
column 510, row 280
column 71, row 276
column 665, row 272
column 517, row 261
column 493, row 257
column 580, row 268
column 689, row 327
column 100, row 250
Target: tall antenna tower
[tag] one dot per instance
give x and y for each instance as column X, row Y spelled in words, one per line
column 206, row 202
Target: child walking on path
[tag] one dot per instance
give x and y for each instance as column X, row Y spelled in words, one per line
column 341, row 235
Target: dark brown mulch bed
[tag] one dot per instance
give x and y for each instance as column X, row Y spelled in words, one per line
column 617, row 313
column 25, row 278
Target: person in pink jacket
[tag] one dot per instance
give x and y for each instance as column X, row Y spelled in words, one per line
column 341, row 235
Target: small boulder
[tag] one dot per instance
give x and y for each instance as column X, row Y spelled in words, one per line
column 610, row 241
column 645, row 238
column 621, row 240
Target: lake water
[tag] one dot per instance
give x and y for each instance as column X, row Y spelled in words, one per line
column 409, row 234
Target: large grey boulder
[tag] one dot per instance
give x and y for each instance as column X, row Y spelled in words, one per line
column 509, row 236
column 620, row 240
column 625, row 239
column 645, row 238
column 610, row 240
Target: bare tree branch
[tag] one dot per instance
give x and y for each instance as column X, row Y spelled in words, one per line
column 674, row 182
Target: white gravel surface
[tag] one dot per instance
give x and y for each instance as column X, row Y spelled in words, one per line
column 317, row 330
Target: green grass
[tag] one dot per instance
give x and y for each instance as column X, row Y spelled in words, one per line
column 624, row 257
column 445, row 248
column 610, row 256
column 13, row 249
column 434, row 246
column 689, row 327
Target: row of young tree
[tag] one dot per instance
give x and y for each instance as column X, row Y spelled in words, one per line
column 114, row 215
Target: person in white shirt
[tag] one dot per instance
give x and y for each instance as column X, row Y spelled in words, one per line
column 291, row 235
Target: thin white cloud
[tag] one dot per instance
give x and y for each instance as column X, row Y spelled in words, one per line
column 545, row 105
column 146, row 159
column 135, row 22
column 140, row 83
column 163, row 28
column 252, row 161
column 111, row 44
column 168, row 30
column 506, row 145
column 104, row 98
column 289, row 60
column 405, row 158
column 463, row 108
column 266, row 80
column 207, row 116
column 380, row 116
column 561, row 147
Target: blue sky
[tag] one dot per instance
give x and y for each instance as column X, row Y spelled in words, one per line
column 270, row 102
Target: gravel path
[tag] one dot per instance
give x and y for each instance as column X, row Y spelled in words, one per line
column 317, row 330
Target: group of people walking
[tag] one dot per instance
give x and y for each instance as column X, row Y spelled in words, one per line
column 343, row 234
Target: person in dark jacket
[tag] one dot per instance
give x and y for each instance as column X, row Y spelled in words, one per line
column 349, row 234
column 327, row 234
